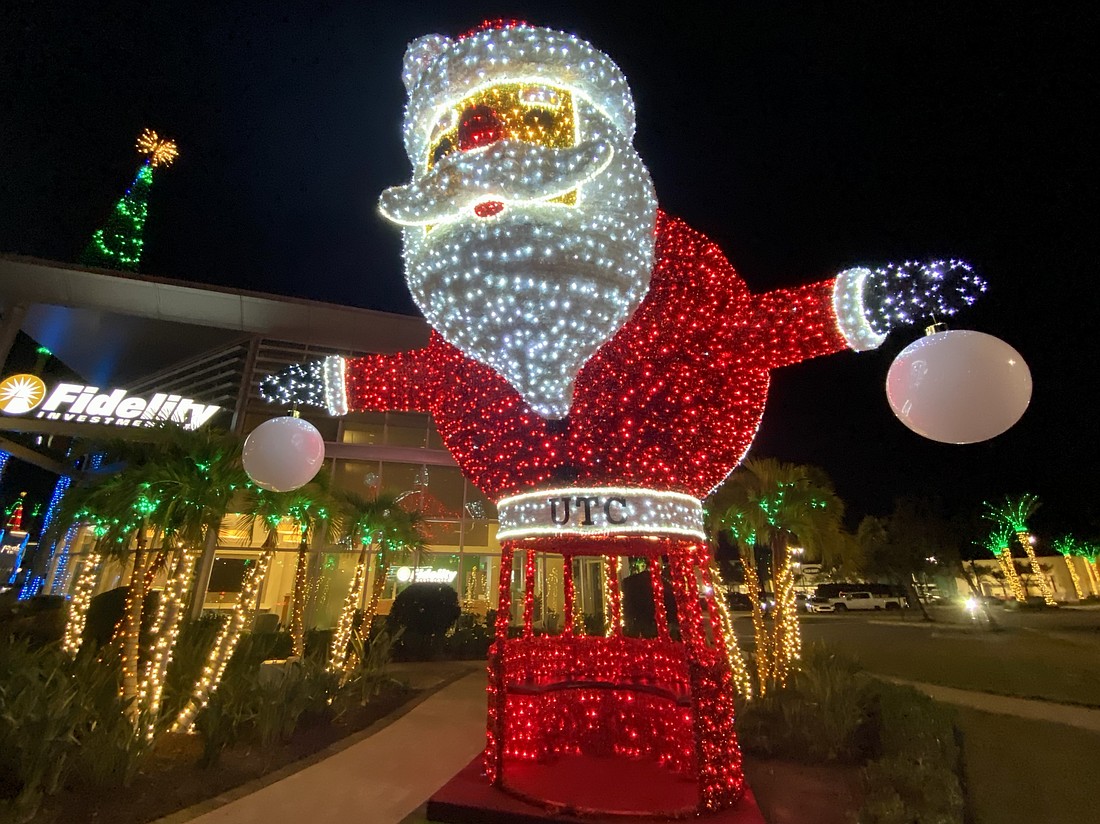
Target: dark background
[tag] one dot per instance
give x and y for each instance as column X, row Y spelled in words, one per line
column 802, row 138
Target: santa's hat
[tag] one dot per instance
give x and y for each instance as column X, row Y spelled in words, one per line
column 439, row 72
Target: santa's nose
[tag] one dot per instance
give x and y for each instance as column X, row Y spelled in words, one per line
column 480, row 126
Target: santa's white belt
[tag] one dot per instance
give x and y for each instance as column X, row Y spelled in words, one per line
column 600, row 510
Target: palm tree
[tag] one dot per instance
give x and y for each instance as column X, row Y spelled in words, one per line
column 269, row 509
column 998, row 543
column 1090, row 552
column 1015, row 513
column 380, row 522
column 312, row 508
column 777, row 505
column 1068, row 546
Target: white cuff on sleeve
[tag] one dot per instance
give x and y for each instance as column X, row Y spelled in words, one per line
column 848, row 306
column 336, row 397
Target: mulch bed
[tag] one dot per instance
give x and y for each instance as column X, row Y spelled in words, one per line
column 171, row 780
column 789, row 792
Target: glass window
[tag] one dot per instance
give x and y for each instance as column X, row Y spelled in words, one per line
column 365, row 428
column 406, row 429
column 360, row 477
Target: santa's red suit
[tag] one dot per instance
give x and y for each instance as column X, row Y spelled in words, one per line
column 671, row 402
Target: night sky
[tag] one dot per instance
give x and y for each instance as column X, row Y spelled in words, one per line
column 803, row 140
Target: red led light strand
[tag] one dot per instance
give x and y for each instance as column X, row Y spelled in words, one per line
column 529, row 593
column 494, row 728
column 660, row 616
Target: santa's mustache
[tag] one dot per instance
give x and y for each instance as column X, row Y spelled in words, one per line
column 508, row 172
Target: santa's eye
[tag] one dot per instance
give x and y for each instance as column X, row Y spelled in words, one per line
column 480, row 126
column 540, row 120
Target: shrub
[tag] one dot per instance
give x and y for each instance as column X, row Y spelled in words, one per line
column 368, row 677
column 916, row 774
column 284, row 692
column 425, row 612
column 111, row 747
column 820, row 716
column 831, row 711
column 39, row 719
column 39, row 620
column 470, row 639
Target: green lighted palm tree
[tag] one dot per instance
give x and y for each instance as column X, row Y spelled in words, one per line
column 382, row 524
column 1015, row 512
column 1069, row 548
column 777, row 505
column 1090, row 552
column 313, row 509
column 999, row 544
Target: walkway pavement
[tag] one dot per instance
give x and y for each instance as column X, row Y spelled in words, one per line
column 386, row 777
column 380, row 779
column 1085, row 718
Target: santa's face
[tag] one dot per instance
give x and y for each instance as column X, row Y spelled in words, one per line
column 528, row 230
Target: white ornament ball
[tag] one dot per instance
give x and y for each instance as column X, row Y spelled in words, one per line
column 283, row 454
column 959, row 386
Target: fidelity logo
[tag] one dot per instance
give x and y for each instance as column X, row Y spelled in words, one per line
column 23, row 394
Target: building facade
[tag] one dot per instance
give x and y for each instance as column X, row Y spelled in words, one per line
column 157, row 338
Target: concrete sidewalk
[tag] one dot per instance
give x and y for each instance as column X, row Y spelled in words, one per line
column 1085, row 718
column 381, row 779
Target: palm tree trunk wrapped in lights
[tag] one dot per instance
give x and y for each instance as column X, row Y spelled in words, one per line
column 166, row 629
column 740, row 671
column 77, row 615
column 298, row 600
column 381, row 522
column 338, row 652
column 1004, row 557
column 1069, row 549
column 1044, row 585
column 129, row 626
column 221, row 651
column 760, row 631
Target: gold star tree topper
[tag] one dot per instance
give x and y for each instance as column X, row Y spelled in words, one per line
column 161, row 151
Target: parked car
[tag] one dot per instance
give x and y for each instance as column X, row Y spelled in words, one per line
column 861, row 600
column 739, row 601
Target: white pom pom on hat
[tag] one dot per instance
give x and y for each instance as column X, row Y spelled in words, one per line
column 438, row 72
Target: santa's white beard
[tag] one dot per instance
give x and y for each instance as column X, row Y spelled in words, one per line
column 534, row 291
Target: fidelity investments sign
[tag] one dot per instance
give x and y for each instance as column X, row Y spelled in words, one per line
column 27, row 396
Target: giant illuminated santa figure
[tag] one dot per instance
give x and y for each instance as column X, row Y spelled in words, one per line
column 596, row 367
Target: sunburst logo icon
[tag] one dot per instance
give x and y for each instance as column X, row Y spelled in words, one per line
column 20, row 394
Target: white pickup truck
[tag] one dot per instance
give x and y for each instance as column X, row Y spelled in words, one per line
column 858, row 600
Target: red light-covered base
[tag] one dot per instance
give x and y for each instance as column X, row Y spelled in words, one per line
column 568, row 786
column 658, row 708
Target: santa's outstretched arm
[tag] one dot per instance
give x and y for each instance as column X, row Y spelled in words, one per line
column 395, row 383
column 858, row 308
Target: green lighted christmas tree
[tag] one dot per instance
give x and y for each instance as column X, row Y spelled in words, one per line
column 118, row 244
